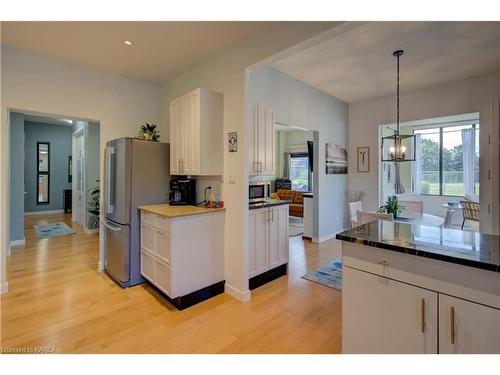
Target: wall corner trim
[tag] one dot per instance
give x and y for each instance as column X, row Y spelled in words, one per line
column 242, row 296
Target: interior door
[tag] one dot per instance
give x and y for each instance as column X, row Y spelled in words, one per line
column 380, row 315
column 78, row 160
column 467, row 327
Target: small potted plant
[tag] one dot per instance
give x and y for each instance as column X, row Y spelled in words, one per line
column 148, row 132
column 391, row 206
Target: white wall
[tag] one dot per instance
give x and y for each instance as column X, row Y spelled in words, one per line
column 298, row 104
column 459, row 97
column 32, row 82
column 225, row 73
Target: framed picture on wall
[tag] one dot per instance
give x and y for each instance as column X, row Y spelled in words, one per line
column 363, row 159
column 336, row 159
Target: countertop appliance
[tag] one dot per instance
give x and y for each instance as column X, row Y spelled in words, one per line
column 136, row 173
column 183, row 192
column 258, row 191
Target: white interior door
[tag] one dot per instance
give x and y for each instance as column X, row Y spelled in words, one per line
column 78, row 201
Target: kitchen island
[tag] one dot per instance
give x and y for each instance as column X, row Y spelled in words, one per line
column 182, row 251
column 410, row 288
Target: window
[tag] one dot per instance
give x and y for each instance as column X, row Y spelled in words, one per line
column 447, row 160
column 299, row 172
column 43, row 173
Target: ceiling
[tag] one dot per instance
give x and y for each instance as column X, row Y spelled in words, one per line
column 160, row 50
column 47, row 120
column 358, row 64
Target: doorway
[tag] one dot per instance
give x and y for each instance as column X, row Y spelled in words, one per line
column 78, row 183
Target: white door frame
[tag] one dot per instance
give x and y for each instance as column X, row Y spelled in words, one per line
column 79, row 217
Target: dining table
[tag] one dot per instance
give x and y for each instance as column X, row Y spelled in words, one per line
column 420, row 219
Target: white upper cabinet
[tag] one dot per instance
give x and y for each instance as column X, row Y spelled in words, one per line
column 196, row 134
column 262, row 142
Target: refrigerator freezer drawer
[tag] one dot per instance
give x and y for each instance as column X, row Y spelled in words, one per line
column 117, row 239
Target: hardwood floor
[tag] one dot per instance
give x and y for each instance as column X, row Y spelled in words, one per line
column 58, row 299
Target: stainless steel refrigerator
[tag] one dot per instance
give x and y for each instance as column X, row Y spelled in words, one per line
column 136, row 173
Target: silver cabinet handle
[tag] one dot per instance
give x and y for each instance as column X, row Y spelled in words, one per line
column 382, row 262
column 272, row 215
column 452, row 325
column 422, row 315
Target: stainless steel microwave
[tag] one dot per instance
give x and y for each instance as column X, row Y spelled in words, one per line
column 258, row 191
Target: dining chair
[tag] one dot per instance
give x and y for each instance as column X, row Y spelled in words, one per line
column 413, row 207
column 470, row 210
column 354, row 207
column 366, row 217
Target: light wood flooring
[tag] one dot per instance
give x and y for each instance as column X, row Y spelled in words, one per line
column 58, row 299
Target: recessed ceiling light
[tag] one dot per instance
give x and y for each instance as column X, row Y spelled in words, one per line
column 127, row 42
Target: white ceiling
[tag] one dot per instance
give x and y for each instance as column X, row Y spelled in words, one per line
column 47, row 120
column 160, row 50
column 358, row 64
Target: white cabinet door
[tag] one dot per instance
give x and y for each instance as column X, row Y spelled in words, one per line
column 278, row 236
column 467, row 327
column 175, row 136
column 262, row 142
column 190, row 161
column 380, row 315
column 259, row 242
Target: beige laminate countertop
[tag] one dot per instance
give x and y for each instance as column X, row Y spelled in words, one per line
column 176, row 211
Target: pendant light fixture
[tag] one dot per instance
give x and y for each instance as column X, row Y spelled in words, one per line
column 398, row 147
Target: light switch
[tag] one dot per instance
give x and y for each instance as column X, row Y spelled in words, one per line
column 231, row 178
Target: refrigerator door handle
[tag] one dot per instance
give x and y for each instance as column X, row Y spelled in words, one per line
column 111, row 227
column 109, row 207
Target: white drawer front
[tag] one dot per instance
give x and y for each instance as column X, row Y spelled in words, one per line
column 163, row 277
column 148, row 218
column 147, row 238
column 162, row 223
column 162, row 246
column 147, row 266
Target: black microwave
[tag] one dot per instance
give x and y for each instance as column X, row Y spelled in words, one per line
column 258, row 191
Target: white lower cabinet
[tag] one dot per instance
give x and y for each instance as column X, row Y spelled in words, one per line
column 467, row 327
column 385, row 316
column 183, row 254
column 268, row 234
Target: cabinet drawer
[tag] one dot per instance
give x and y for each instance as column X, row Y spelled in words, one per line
column 147, row 238
column 163, row 274
column 148, row 218
column 147, row 266
column 162, row 246
column 162, row 223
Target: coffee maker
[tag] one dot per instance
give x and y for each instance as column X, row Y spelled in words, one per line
column 182, row 192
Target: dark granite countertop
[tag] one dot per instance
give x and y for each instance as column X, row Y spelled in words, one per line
column 449, row 245
column 268, row 203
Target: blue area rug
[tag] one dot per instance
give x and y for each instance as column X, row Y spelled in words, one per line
column 52, row 230
column 329, row 275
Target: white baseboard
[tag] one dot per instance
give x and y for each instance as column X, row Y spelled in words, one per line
column 237, row 294
column 91, row 231
column 44, row 212
column 4, row 288
column 18, row 242
column 324, row 238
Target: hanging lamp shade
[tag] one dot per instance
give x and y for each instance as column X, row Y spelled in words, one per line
column 398, row 147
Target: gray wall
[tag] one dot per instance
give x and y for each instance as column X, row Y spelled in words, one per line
column 16, row 176
column 59, row 137
column 298, row 104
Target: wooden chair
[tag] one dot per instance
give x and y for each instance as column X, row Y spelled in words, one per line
column 413, row 207
column 366, row 217
column 354, row 207
column 470, row 210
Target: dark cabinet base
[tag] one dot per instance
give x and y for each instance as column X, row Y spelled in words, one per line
column 267, row 276
column 195, row 297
